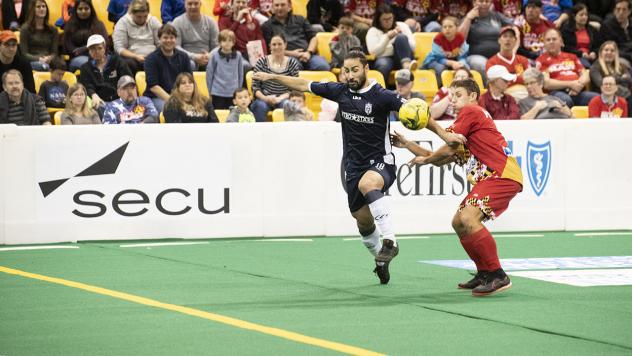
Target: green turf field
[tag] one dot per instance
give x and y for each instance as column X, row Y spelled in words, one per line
column 314, row 296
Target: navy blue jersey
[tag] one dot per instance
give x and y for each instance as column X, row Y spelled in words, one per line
column 365, row 122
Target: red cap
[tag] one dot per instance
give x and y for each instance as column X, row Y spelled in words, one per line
column 7, row 35
column 507, row 29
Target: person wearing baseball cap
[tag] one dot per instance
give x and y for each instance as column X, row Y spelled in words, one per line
column 499, row 105
column 404, row 82
column 507, row 57
column 532, row 27
column 101, row 73
column 129, row 108
column 11, row 59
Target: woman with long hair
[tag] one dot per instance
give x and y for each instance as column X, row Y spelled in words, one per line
column 186, row 104
column 609, row 63
column 270, row 94
column 580, row 37
column 38, row 39
column 78, row 111
column 391, row 42
column 82, row 24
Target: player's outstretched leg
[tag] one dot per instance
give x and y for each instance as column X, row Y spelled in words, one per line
column 371, row 240
column 382, row 214
column 481, row 247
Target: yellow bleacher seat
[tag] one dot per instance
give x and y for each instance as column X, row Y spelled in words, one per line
column 377, row 75
column 222, row 115
column 423, row 44
column 200, row 81
column 299, row 7
column 41, row 77
column 162, row 118
column 154, row 9
column 278, row 115
column 54, row 11
column 313, row 101
column 249, row 81
column 448, row 75
column 323, row 39
column 426, row 83
column 580, row 112
column 141, row 82
column 57, row 118
column 207, row 9
column 101, row 7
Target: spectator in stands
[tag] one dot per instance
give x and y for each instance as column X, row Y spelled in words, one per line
column 129, row 108
column 259, row 10
column 580, row 37
column 170, row 9
column 554, row 11
column 481, row 27
column 54, row 91
column 420, row 15
column 404, row 82
column 564, row 74
column 449, row 49
column 186, row 104
column 455, row 8
column 225, row 71
column 495, row 101
column 391, row 42
column 598, row 10
column 135, row 35
column 362, row 12
column 618, row 29
column 510, row 8
column 197, row 34
column 294, row 108
column 163, row 65
column 117, row 9
column 442, row 107
column 240, row 112
column 324, row 15
column 101, row 74
column 11, row 59
column 19, row 106
column 270, row 94
column 515, row 63
column 342, row 43
column 609, row 63
column 532, row 28
column 83, row 23
column 14, row 13
column 78, row 111
column 68, row 8
column 539, row 105
column 246, row 30
column 39, row 41
column 301, row 42
column 608, row 104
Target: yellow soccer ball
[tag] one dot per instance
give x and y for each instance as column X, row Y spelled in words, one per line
column 414, row 114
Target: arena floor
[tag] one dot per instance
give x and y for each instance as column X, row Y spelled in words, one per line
column 571, row 295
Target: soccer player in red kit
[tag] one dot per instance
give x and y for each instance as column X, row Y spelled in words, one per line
column 496, row 177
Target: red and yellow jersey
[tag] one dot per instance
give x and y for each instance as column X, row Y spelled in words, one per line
column 564, row 66
column 486, row 153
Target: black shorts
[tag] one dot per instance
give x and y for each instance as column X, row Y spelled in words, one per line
column 355, row 198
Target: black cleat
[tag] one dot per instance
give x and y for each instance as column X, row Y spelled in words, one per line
column 388, row 251
column 493, row 285
column 382, row 273
column 478, row 279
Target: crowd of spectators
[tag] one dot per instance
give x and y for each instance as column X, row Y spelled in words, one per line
column 536, row 58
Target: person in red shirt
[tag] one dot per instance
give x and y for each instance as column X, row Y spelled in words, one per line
column 608, row 104
column 246, row 30
column 496, row 177
column 532, row 27
column 499, row 105
column 420, row 15
column 509, row 8
column 508, row 58
column 362, row 12
column 564, row 75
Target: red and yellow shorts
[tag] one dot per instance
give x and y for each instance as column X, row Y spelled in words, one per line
column 492, row 196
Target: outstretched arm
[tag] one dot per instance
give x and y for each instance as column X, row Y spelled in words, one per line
column 293, row 83
column 452, row 139
column 442, row 156
column 400, row 141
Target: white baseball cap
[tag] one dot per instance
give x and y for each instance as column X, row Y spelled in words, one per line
column 498, row 71
column 94, row 40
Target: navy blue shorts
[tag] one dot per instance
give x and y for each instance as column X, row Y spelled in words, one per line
column 355, row 198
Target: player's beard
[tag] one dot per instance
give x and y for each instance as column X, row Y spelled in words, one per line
column 357, row 84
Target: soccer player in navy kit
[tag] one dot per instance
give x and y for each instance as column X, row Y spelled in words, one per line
column 369, row 163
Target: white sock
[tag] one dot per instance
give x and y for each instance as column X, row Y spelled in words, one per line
column 372, row 242
column 381, row 212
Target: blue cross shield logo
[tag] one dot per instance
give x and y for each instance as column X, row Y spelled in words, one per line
column 538, row 165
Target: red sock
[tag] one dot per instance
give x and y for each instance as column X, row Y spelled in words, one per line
column 484, row 246
column 466, row 242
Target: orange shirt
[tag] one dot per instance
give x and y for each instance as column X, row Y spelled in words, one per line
column 516, row 65
column 564, row 66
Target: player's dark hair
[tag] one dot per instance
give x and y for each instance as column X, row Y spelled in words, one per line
column 469, row 85
column 57, row 63
column 383, row 9
column 357, row 54
column 239, row 90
